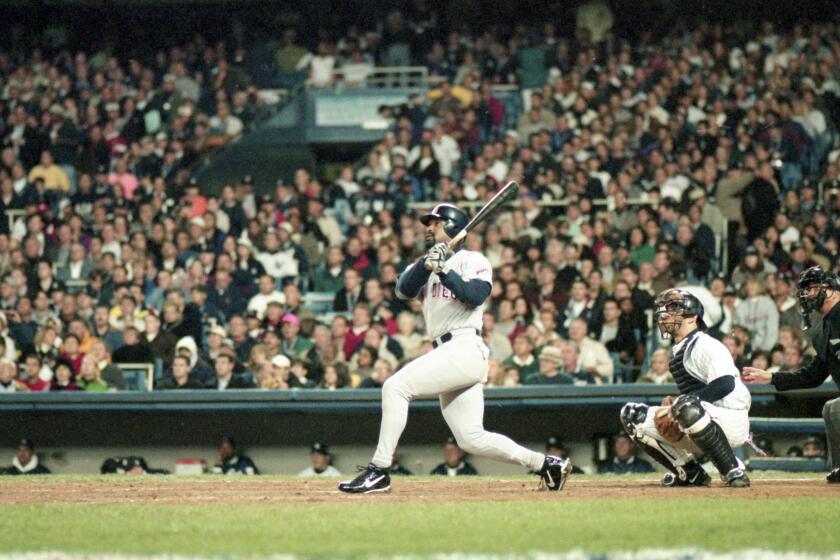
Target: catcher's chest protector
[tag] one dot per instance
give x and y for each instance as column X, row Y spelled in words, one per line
column 685, row 381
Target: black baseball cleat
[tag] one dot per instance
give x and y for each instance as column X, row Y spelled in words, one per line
column 371, row 479
column 555, row 472
column 736, row 478
column 687, row 475
column 834, row 476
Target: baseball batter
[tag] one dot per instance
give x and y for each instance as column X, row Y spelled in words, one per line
column 712, row 410
column 453, row 289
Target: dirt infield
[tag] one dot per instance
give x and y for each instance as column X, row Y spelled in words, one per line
column 285, row 492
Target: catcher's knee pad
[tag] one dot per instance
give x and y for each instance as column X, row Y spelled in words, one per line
column 633, row 415
column 689, row 412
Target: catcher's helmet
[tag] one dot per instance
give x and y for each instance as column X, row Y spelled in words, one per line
column 455, row 219
column 679, row 303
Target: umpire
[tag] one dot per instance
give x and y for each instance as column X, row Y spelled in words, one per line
column 818, row 291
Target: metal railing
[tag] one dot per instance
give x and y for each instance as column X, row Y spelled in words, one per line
column 382, row 77
column 396, row 76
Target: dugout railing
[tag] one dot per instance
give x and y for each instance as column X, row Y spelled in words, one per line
column 298, row 417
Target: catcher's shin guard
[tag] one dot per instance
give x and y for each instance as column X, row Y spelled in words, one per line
column 710, row 438
column 632, row 416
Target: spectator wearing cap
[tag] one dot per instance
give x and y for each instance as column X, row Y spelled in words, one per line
column 26, row 461
column 230, row 461
column 214, row 342
column 454, row 463
column 293, row 343
column 281, row 367
column 550, row 362
column 320, row 462
column 555, row 447
column 752, row 264
column 800, row 259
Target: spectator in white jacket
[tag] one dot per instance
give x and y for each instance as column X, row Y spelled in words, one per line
column 267, row 294
column 758, row 314
column 594, row 357
column 281, row 258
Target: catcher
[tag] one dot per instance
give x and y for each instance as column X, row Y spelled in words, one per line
column 710, row 416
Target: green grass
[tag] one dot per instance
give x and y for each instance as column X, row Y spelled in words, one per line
column 327, row 530
column 796, row 524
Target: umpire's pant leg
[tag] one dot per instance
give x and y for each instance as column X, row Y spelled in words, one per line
column 831, row 415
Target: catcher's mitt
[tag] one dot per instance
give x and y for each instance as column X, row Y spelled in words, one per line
column 667, row 426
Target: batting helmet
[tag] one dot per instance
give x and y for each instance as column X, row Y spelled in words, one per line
column 455, row 219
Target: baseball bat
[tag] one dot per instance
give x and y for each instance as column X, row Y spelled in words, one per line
column 508, row 192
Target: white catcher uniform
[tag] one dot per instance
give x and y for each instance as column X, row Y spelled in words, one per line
column 455, row 371
column 704, row 359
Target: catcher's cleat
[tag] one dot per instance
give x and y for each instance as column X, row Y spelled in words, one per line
column 554, row 473
column 687, row 475
column 736, row 478
column 834, row 476
column 371, row 479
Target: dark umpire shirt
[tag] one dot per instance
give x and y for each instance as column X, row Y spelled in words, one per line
column 826, row 340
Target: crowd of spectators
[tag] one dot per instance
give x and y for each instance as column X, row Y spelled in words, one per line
column 636, row 160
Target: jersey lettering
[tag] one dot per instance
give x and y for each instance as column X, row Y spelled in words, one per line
column 441, row 291
column 443, row 312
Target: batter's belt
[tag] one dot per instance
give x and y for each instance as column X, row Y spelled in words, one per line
column 444, row 338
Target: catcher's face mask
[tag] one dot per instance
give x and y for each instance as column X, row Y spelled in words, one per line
column 670, row 312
